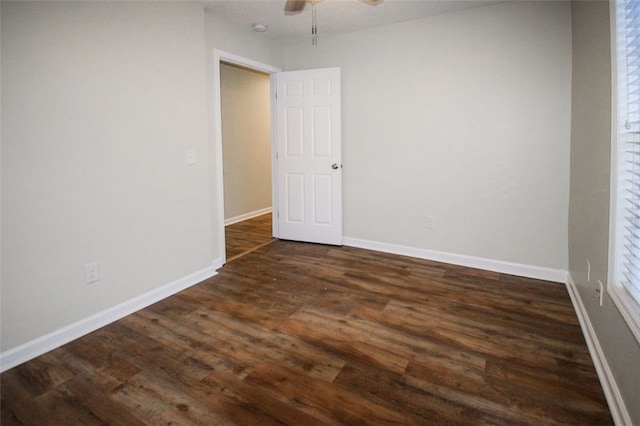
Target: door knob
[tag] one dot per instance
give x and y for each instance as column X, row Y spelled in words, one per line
column 335, row 166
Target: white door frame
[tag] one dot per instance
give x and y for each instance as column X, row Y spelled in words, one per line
column 222, row 56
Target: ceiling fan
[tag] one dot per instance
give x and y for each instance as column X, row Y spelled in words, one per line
column 294, row 7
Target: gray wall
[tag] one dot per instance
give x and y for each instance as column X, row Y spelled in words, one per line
column 100, row 102
column 589, row 194
column 464, row 117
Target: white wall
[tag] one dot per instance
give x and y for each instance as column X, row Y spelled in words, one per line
column 464, row 117
column 100, row 102
column 241, row 41
column 246, row 135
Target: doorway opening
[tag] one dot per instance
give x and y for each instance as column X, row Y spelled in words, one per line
column 246, row 157
column 245, row 163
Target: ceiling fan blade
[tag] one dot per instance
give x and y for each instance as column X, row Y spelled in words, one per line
column 372, row 2
column 293, row 7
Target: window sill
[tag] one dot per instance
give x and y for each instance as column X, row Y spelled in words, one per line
column 629, row 310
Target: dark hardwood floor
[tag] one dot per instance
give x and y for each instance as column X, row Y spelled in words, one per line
column 304, row 334
column 248, row 235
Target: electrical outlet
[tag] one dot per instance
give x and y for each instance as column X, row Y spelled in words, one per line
column 91, row 272
column 600, row 292
column 428, row 222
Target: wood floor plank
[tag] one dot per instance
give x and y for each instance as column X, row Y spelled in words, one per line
column 268, row 406
column 158, row 397
column 101, row 405
column 340, row 336
column 341, row 406
column 391, row 390
column 566, row 399
column 245, row 236
column 273, row 346
column 63, row 407
column 489, row 330
column 307, row 334
column 17, row 404
column 43, row 374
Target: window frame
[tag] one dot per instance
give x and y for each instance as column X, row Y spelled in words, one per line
column 624, row 302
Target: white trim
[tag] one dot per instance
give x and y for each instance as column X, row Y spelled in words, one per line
column 244, row 62
column 628, row 309
column 57, row 338
column 222, row 56
column 613, row 173
column 246, row 216
column 217, row 145
column 275, row 222
column 217, row 264
column 519, row 269
column 617, row 406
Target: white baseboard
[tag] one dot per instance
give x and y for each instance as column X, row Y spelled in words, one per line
column 217, row 264
column 611, row 392
column 247, row 216
column 522, row 270
column 57, row 338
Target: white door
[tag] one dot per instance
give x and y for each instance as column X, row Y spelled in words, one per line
column 309, row 156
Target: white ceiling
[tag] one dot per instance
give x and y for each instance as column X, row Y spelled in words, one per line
column 334, row 16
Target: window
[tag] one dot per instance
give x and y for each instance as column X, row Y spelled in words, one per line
column 624, row 283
